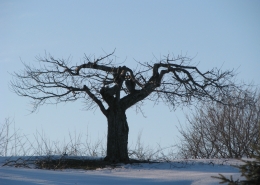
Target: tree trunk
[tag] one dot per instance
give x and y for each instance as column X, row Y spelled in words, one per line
column 117, row 136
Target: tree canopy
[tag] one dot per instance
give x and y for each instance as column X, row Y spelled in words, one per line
column 171, row 80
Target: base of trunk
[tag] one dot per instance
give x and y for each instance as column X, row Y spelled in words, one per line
column 114, row 160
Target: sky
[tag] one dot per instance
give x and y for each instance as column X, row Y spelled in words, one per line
column 218, row 33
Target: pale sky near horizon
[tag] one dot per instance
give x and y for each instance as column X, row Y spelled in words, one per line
column 216, row 33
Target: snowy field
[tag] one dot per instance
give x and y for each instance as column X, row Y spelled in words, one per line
column 183, row 172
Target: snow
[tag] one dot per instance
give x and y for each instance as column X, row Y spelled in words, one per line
column 195, row 172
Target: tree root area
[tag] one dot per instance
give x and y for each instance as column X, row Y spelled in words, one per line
column 87, row 164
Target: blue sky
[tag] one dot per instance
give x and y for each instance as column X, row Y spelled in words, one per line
column 217, row 33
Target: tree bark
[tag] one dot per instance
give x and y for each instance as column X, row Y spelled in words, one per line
column 117, row 135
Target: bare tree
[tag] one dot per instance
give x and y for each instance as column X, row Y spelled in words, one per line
column 114, row 89
column 227, row 131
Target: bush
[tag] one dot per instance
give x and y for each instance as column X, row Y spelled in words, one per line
column 223, row 131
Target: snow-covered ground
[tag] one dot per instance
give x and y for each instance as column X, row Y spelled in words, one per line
column 183, row 172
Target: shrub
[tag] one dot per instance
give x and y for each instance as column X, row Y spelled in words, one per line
column 223, row 131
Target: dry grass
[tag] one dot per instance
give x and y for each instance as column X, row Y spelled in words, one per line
column 77, row 153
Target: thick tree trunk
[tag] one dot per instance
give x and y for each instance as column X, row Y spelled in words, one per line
column 117, row 136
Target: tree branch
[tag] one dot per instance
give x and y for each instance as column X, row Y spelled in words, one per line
column 95, row 99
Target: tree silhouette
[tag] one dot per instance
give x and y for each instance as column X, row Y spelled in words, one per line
column 114, row 89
